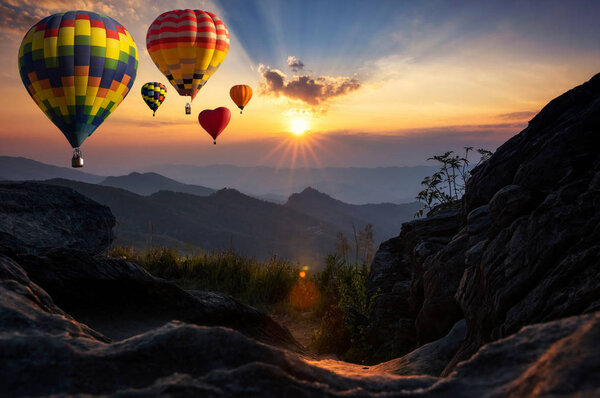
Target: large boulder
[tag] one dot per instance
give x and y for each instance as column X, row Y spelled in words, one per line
column 37, row 217
column 120, row 299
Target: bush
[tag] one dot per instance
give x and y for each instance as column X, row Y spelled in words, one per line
column 343, row 325
column 445, row 187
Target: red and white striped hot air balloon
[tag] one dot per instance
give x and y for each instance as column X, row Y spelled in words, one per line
column 187, row 46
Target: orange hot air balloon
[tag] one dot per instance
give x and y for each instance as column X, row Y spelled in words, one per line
column 241, row 94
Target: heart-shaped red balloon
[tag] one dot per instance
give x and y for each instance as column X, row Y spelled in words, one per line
column 214, row 121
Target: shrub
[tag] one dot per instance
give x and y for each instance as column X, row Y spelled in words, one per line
column 343, row 325
column 447, row 185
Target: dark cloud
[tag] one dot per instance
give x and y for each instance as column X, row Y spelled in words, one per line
column 15, row 19
column 525, row 115
column 295, row 64
column 305, row 88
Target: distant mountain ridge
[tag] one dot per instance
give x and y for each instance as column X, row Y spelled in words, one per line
column 148, row 183
column 20, row 169
column 386, row 218
column 352, row 185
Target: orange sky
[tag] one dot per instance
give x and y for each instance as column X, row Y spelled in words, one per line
column 489, row 83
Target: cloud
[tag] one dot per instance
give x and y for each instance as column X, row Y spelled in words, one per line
column 313, row 91
column 16, row 17
column 295, row 64
column 525, row 115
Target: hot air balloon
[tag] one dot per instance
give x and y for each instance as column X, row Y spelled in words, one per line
column 214, row 121
column 154, row 94
column 187, row 46
column 241, row 94
column 78, row 66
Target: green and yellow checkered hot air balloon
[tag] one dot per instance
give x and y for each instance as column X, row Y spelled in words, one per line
column 154, row 94
column 78, row 66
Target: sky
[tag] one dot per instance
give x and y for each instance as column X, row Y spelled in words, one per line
column 366, row 83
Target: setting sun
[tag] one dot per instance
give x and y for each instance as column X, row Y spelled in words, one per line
column 299, row 126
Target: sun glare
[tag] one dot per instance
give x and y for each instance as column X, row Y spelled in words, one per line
column 298, row 125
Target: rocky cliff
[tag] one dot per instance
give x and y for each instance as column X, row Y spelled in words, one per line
column 523, row 248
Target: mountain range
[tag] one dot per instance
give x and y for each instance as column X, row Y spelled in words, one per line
column 354, row 185
column 154, row 210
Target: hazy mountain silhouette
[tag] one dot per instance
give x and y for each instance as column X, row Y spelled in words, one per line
column 19, row 169
column 225, row 219
column 386, row 218
column 352, row 185
column 149, row 183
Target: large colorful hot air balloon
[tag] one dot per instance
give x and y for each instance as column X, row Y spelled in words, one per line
column 187, row 46
column 154, row 94
column 214, row 121
column 241, row 94
column 78, row 66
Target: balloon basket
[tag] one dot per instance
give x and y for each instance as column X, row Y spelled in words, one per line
column 188, row 109
column 77, row 159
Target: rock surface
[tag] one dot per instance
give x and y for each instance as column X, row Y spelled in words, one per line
column 525, row 246
column 396, row 281
column 179, row 360
column 37, row 217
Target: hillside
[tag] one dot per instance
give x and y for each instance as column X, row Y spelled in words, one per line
column 386, row 218
column 223, row 220
column 20, row 169
column 149, row 183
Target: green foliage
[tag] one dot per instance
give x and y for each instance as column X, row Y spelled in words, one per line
column 258, row 283
column 447, row 185
column 346, row 303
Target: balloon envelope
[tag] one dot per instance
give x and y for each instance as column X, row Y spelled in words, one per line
column 154, row 94
column 214, row 121
column 241, row 94
column 78, row 66
column 187, row 46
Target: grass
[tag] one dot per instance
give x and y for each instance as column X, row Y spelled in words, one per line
column 258, row 283
column 327, row 310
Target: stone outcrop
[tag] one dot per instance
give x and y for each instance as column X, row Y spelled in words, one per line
column 37, row 217
column 541, row 257
column 526, row 244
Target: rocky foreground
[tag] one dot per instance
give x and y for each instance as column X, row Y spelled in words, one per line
column 500, row 298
